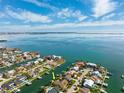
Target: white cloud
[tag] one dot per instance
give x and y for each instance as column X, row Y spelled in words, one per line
column 2, row 15
column 26, row 16
column 121, row 16
column 61, row 26
column 83, row 24
column 79, row 15
column 68, row 13
column 64, row 13
column 109, row 16
column 102, row 7
column 41, row 4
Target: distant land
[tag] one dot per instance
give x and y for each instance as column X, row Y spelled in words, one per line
column 33, row 33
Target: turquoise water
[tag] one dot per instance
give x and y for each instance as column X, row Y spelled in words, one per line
column 107, row 50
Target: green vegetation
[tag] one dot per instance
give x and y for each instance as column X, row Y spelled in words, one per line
column 1, row 80
column 95, row 90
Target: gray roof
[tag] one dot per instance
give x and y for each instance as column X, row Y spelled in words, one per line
column 54, row 90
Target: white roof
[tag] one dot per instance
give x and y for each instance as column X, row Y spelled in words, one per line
column 40, row 59
column 91, row 64
column 38, row 55
column 88, row 82
column 11, row 71
column 76, row 68
column 57, row 56
column 97, row 73
column 36, row 62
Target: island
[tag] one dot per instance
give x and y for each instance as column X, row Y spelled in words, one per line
column 81, row 77
column 2, row 40
column 12, row 80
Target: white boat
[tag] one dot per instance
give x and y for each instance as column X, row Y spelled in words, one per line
column 103, row 91
column 109, row 74
column 123, row 88
column 47, row 73
column 16, row 90
column 28, row 83
column 105, row 84
column 122, row 76
column 39, row 77
column 106, row 77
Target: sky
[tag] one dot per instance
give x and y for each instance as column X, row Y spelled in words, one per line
column 61, row 15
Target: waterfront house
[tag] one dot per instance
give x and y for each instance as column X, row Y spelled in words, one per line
column 96, row 79
column 47, row 58
column 96, row 73
column 84, row 90
column 32, row 73
column 51, row 90
column 91, row 64
column 76, row 68
column 64, row 84
column 40, row 59
column 11, row 73
column 58, row 57
column 71, row 72
column 80, row 64
column 19, row 79
column 0, row 89
column 88, row 83
column 52, row 57
column 19, row 58
column 36, row 62
column 1, row 75
column 34, row 54
column 21, row 69
column 2, row 63
column 52, row 63
column 68, row 77
column 61, row 83
column 8, row 85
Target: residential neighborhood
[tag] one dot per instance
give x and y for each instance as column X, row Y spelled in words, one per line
column 11, row 56
column 12, row 80
column 81, row 77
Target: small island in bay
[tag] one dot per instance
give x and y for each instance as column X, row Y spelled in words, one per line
column 3, row 40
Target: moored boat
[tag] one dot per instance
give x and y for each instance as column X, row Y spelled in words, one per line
column 103, row 91
column 122, row 76
column 39, row 77
column 122, row 88
column 28, row 83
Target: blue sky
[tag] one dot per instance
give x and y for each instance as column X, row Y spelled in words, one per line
column 61, row 15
